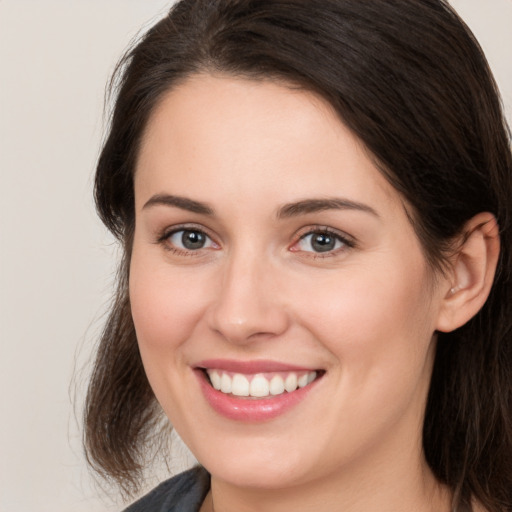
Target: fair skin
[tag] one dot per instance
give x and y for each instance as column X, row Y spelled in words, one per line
column 238, row 257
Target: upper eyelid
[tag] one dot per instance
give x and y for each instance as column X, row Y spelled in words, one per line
column 164, row 236
column 167, row 232
column 325, row 229
column 348, row 242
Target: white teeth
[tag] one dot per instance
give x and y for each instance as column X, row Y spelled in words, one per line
column 302, row 380
column 240, row 385
column 225, row 383
column 258, row 385
column 215, row 378
column 290, row 384
column 276, row 385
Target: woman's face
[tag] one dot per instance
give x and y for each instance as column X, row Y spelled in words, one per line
column 269, row 251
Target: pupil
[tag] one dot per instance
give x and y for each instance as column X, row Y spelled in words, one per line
column 322, row 242
column 192, row 240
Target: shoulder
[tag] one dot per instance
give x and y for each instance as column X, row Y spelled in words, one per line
column 184, row 492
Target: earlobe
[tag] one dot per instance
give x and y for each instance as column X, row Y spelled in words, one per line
column 472, row 272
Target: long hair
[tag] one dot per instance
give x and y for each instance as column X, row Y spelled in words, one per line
column 410, row 81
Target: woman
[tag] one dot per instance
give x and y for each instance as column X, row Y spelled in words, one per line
column 314, row 205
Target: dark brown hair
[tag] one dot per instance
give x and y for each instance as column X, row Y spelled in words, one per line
column 410, row 80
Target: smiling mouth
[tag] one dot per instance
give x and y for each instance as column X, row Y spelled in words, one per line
column 260, row 385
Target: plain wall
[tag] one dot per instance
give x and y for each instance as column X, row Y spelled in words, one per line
column 56, row 260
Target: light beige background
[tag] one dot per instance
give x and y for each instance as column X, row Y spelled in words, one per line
column 56, row 260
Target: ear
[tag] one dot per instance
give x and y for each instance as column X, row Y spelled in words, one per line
column 472, row 272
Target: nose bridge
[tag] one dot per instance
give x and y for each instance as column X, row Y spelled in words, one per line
column 246, row 305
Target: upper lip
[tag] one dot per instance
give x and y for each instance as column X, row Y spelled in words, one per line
column 250, row 367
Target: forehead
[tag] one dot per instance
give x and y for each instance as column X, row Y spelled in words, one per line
column 224, row 109
column 245, row 135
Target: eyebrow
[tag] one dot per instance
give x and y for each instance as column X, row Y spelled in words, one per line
column 316, row 205
column 287, row 211
column 183, row 203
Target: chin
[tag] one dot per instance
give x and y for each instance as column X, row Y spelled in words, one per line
column 257, row 475
column 258, row 461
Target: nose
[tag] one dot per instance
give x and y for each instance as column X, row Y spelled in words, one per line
column 248, row 305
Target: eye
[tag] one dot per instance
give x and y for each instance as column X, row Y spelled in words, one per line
column 189, row 240
column 321, row 241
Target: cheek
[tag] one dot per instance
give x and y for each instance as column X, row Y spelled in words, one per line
column 377, row 321
column 380, row 339
column 165, row 306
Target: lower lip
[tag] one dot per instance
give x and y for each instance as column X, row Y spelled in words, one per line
column 251, row 409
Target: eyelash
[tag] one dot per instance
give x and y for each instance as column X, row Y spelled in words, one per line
column 165, row 237
column 346, row 241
